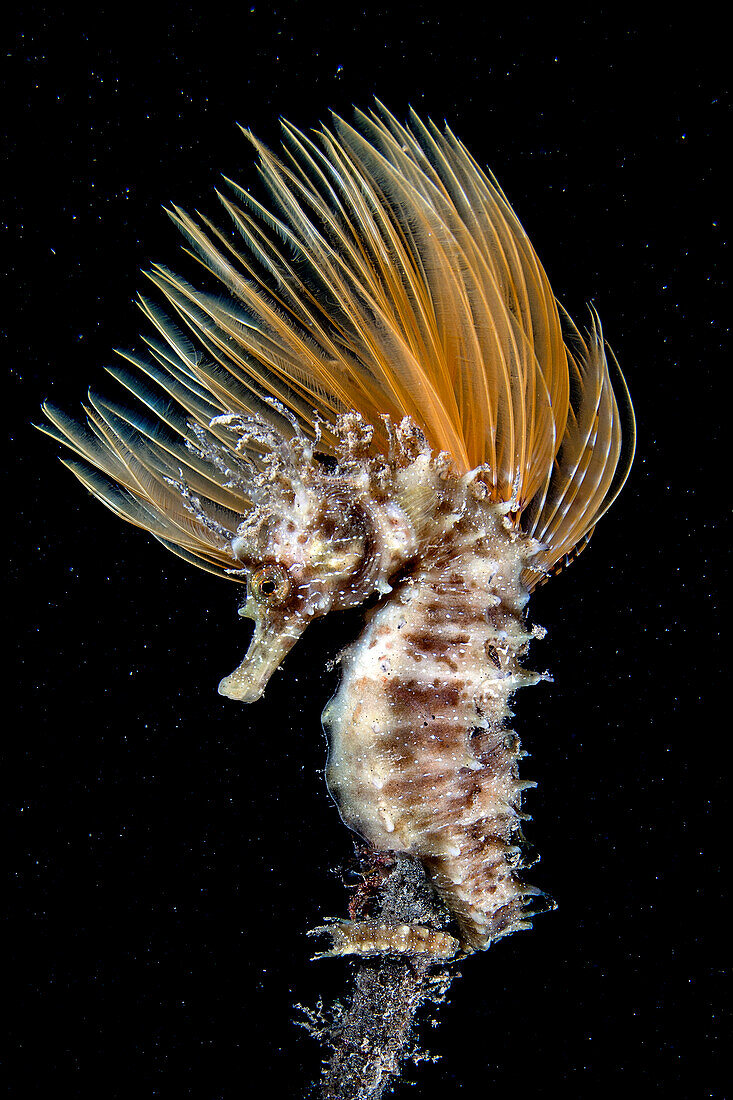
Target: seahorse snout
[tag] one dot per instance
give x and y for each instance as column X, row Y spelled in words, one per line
column 266, row 651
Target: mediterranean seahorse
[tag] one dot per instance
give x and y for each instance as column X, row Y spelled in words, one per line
column 388, row 406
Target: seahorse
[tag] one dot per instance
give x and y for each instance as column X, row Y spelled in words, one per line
column 387, row 409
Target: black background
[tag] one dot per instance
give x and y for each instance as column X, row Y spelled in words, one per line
column 168, row 849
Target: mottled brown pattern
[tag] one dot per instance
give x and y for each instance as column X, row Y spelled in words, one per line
column 409, row 695
column 429, row 642
column 436, row 613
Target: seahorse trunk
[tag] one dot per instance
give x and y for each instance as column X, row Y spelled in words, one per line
column 421, row 756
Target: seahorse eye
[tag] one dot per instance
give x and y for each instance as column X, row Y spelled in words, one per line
column 270, row 584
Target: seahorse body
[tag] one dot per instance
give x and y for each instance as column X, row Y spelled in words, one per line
column 421, row 759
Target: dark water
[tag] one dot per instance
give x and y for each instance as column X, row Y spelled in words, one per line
column 169, row 848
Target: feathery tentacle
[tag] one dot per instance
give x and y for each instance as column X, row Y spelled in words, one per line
column 393, row 280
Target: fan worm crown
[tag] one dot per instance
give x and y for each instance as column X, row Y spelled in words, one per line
column 393, row 278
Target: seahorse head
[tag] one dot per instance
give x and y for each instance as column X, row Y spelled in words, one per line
column 319, row 539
